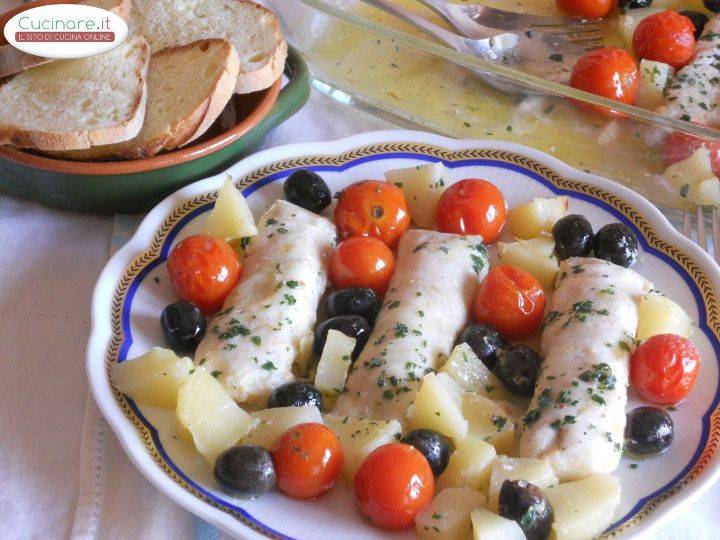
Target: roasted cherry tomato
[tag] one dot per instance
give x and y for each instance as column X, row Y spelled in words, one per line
column 393, row 485
column 664, row 368
column 611, row 73
column 592, row 9
column 308, row 459
column 679, row 146
column 362, row 262
column 665, row 37
column 372, row 208
column 203, row 271
column 472, row 206
column 510, row 300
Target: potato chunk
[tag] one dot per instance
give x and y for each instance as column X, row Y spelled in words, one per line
column 271, row 423
column 536, row 217
column 469, row 466
column 360, row 436
column 334, row 363
column 657, row 314
column 535, row 256
column 472, row 374
column 536, row 471
column 584, row 508
column 210, row 415
column 694, row 178
column 154, row 378
column 231, row 216
column 489, row 421
column 438, row 405
column 448, row 515
column 489, row 526
column 422, row 187
column 654, row 78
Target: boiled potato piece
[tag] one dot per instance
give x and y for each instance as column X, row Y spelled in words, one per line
column 658, row 314
column 469, row 466
column 360, row 436
column 271, row 423
column 534, row 218
column 209, row 413
column 654, row 78
column 535, row 471
column 231, row 216
column 489, row 526
column 334, row 363
column 694, row 178
column 472, row 374
column 154, row 378
column 535, row 256
column 422, row 187
column 584, row 508
column 489, row 421
column 448, row 515
column 438, row 405
column 628, row 22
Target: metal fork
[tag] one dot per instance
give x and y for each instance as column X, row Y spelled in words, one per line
column 586, row 33
column 701, row 237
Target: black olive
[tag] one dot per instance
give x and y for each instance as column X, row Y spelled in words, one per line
column 518, row 368
column 354, row 301
column 617, row 244
column 712, row 5
column 528, row 506
column 306, row 189
column 625, row 5
column 433, row 445
column 573, row 237
column 353, row 326
column 649, row 430
column 485, row 342
column 698, row 19
column 246, row 471
column 295, row 394
column 184, row 326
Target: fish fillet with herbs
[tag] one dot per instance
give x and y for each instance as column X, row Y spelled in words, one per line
column 250, row 346
column 576, row 418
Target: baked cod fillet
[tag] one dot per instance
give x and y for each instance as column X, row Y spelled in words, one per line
column 576, row 418
column 425, row 309
column 252, row 343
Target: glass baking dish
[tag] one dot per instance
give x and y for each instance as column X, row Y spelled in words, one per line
column 366, row 58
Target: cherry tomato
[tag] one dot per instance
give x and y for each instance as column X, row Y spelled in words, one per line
column 362, row 262
column 372, row 208
column 204, row 270
column 308, row 459
column 679, row 146
column 393, row 485
column 472, row 206
column 665, row 37
column 611, row 73
column 592, row 9
column 664, row 368
column 510, row 300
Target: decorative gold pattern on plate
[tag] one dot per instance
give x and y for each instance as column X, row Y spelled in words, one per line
column 709, row 295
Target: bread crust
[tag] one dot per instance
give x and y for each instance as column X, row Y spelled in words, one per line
column 83, row 138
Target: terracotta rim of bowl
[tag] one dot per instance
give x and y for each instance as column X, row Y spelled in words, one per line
column 161, row 161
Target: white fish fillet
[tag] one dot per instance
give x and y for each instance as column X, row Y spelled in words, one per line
column 257, row 336
column 694, row 92
column 426, row 307
column 576, row 418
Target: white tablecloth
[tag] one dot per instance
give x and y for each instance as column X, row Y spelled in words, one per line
column 49, row 261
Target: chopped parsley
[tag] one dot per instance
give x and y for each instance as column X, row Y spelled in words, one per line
column 269, row 366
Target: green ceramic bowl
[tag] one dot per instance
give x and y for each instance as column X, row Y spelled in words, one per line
column 136, row 186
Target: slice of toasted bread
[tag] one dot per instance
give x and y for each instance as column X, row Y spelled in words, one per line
column 13, row 60
column 72, row 104
column 188, row 87
column 251, row 28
